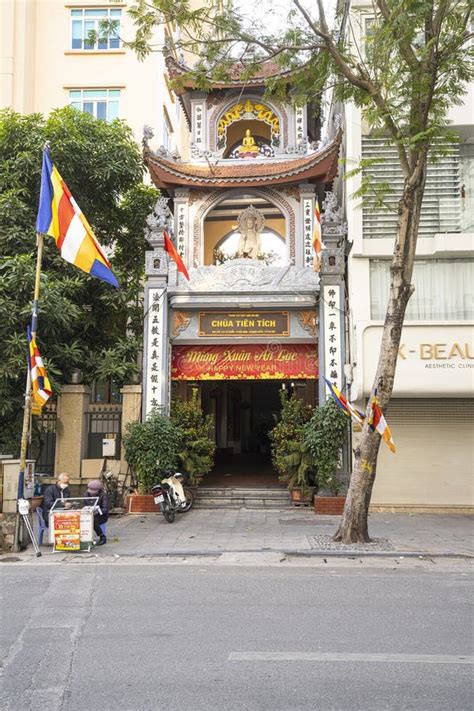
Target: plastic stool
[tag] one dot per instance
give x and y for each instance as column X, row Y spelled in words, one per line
column 42, row 527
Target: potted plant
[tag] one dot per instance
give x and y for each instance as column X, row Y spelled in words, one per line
column 290, row 455
column 324, row 437
column 151, row 449
column 197, row 449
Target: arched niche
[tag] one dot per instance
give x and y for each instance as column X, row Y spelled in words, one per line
column 267, row 121
column 279, row 219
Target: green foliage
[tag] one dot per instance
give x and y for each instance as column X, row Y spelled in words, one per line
column 196, row 453
column 410, row 66
column 83, row 322
column 151, row 448
column 324, row 437
column 290, row 455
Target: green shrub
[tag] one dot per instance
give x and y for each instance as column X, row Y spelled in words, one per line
column 290, row 455
column 324, row 436
column 151, row 448
column 197, row 449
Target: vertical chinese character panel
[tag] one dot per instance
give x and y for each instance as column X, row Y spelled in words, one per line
column 299, row 124
column 332, row 335
column 156, row 360
column 181, row 230
column 308, row 256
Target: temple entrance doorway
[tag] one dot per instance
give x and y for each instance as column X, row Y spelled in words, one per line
column 244, row 412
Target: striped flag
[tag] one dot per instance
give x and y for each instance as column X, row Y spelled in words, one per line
column 40, row 385
column 344, row 404
column 318, row 244
column 378, row 422
column 174, row 254
column 60, row 216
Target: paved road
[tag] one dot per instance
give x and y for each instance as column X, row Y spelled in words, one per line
column 146, row 635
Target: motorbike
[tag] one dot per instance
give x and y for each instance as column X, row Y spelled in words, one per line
column 172, row 496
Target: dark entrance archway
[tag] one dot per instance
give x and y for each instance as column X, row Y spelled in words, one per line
column 244, row 412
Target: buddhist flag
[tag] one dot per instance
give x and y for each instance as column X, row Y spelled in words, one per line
column 318, row 245
column 175, row 256
column 344, row 404
column 40, row 385
column 378, row 422
column 60, row 216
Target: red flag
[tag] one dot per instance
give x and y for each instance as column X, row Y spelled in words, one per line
column 174, row 254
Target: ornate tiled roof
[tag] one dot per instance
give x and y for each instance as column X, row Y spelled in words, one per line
column 267, row 69
column 318, row 166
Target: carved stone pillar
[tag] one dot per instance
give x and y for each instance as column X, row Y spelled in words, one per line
column 156, row 356
column 332, row 316
column 332, row 298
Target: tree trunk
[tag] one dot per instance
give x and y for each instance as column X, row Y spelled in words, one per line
column 354, row 525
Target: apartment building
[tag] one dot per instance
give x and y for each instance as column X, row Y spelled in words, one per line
column 431, row 412
column 53, row 54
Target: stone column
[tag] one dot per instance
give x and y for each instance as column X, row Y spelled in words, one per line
column 71, row 429
column 332, row 310
column 131, row 412
column 156, row 356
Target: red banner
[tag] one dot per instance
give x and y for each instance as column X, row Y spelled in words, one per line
column 250, row 362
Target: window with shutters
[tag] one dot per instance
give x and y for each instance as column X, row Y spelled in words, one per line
column 441, row 207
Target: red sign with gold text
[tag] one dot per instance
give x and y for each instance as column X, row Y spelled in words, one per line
column 251, row 362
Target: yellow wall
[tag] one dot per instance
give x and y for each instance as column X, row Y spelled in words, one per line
column 38, row 67
column 215, row 231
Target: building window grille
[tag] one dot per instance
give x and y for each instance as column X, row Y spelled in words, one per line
column 95, row 28
column 43, row 444
column 103, row 424
column 100, row 103
column 441, row 206
column 106, row 392
column 444, row 290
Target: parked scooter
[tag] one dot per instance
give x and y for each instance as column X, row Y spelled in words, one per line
column 172, row 496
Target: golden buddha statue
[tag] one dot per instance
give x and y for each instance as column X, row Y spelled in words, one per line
column 248, row 147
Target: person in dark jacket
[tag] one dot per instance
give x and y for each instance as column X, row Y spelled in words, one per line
column 60, row 490
column 95, row 489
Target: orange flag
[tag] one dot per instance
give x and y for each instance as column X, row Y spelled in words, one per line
column 174, row 254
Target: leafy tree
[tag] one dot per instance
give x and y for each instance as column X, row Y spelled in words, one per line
column 151, row 448
column 197, row 449
column 414, row 66
column 324, row 437
column 83, row 322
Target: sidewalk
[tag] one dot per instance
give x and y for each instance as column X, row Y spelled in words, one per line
column 216, row 531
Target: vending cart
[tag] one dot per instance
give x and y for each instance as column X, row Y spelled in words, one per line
column 71, row 524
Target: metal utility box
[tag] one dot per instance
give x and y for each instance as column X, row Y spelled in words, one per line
column 109, row 446
column 11, row 472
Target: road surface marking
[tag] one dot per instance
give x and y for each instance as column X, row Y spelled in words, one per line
column 348, row 657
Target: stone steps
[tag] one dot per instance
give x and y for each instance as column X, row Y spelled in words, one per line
column 242, row 497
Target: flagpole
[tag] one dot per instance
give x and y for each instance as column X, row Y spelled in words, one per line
column 27, row 404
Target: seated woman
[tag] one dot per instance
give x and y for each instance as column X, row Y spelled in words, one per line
column 94, row 490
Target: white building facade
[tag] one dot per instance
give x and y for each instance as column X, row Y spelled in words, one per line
column 431, row 412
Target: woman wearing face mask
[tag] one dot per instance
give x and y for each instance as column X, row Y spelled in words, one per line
column 60, row 490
